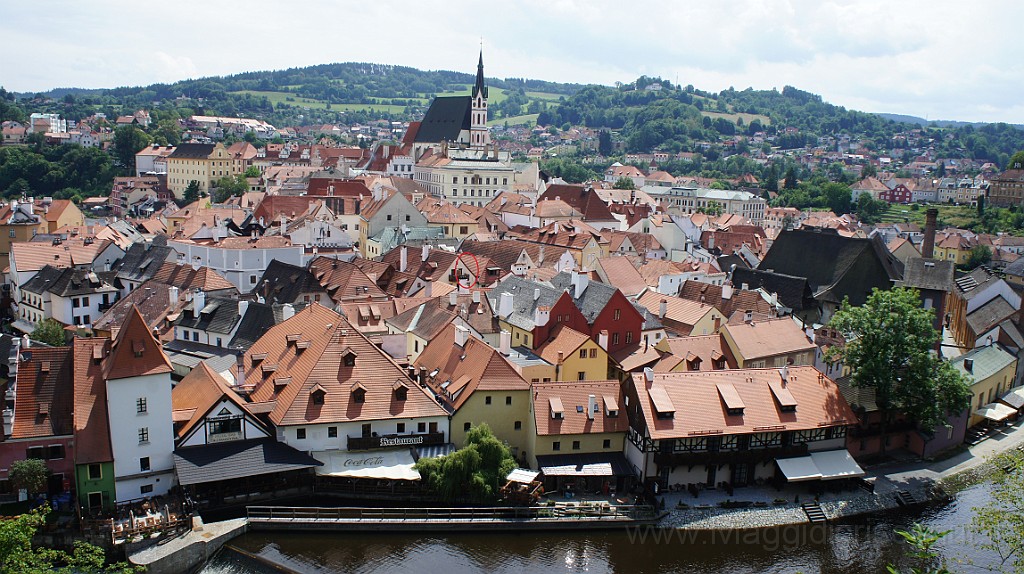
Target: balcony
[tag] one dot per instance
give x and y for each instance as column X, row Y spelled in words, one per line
column 729, row 457
column 390, row 440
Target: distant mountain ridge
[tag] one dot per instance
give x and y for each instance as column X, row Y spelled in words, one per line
column 908, row 119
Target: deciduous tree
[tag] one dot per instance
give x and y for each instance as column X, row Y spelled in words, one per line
column 51, row 332
column 29, row 474
column 890, row 349
column 474, row 472
column 1000, row 522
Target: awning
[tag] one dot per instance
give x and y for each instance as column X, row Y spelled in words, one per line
column 384, row 464
column 1014, row 397
column 523, row 475
column 434, row 450
column 798, row 469
column 827, row 465
column 237, row 459
column 996, row 412
column 23, row 326
column 585, row 464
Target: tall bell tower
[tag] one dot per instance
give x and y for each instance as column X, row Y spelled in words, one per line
column 479, row 137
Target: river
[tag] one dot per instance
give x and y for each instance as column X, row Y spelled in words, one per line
column 863, row 546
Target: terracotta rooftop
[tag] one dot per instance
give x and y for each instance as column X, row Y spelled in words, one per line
column 565, row 340
column 683, row 312
column 575, row 398
column 135, row 352
column 699, row 408
column 92, row 428
column 282, row 371
column 45, row 393
column 768, row 338
column 199, row 392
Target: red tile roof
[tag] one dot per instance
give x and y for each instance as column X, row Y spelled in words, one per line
column 288, row 373
column 198, row 392
column 699, row 408
column 92, row 428
column 573, row 395
column 135, row 352
column 45, row 393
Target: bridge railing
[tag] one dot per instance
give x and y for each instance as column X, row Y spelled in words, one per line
column 330, row 514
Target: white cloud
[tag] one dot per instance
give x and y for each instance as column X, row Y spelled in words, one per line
column 941, row 59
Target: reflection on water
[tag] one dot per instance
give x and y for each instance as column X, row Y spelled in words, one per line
column 865, row 546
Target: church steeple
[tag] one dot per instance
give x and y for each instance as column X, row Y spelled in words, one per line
column 480, row 87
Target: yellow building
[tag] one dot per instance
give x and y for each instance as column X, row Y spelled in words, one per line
column 991, row 370
column 478, row 385
column 772, row 343
column 575, row 356
column 954, row 247
column 455, row 222
column 578, row 423
column 19, row 221
column 202, row 163
column 61, row 213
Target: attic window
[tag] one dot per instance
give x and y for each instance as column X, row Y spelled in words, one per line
column 783, row 397
column 138, row 347
column 611, row 406
column 301, row 346
column 44, row 409
column 348, row 357
column 662, row 403
column 258, row 357
column 557, row 411
column 358, row 393
column 269, row 368
column 317, row 394
column 733, row 403
column 282, row 381
column 401, row 390
column 97, row 354
column 44, row 367
column 292, row 339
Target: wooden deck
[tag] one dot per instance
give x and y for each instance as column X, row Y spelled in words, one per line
column 560, row 517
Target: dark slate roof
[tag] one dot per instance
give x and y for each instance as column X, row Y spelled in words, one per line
column 258, row 318
column 989, row 315
column 286, row 283
column 142, row 261
column 219, row 315
column 192, row 151
column 793, row 292
column 835, row 266
column 726, row 262
column 71, row 282
column 446, row 118
column 931, row 274
column 523, row 304
column 594, row 298
column 41, row 281
column 651, row 321
column 1016, row 268
column 232, row 460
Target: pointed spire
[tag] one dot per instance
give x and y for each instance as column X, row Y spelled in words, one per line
column 480, row 87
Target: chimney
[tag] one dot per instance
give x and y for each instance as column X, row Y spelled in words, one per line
column 423, row 376
column 287, row 311
column 476, row 296
column 748, row 315
column 718, row 324
column 663, row 308
column 461, row 335
column 536, row 293
column 425, row 253
column 727, row 291
column 173, row 294
column 540, row 256
column 506, row 343
column 403, row 260
column 541, row 316
column 745, row 287
column 649, row 375
column 561, row 357
column 504, row 305
column 928, row 247
column 243, row 306
column 784, row 371
column 198, row 301
column 453, row 298
column 197, row 263
column 602, row 339
column 579, row 284
column 428, row 288
column 25, row 341
column 591, row 406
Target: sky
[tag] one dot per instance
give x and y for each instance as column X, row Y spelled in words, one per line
column 935, row 59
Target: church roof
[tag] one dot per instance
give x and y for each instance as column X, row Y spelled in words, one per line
column 445, row 119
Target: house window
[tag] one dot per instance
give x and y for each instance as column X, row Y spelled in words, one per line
column 143, row 435
column 389, row 217
column 226, row 426
column 300, row 434
column 467, row 426
column 144, row 464
column 55, row 452
column 583, row 353
column 508, row 400
column 556, row 445
column 95, row 499
column 615, row 338
column 487, row 400
column 593, row 353
column 195, row 336
column 332, row 432
column 618, row 314
column 95, row 472
column 252, row 279
column 401, row 393
column 359, row 396
column 140, row 405
column 581, row 376
column 318, row 398
column 421, row 427
column 400, row 427
column 575, row 445
column 146, row 488
column 607, row 443
column 629, row 337
column 75, row 303
column 367, row 430
column 518, row 425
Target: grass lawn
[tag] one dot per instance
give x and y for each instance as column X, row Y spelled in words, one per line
column 300, row 102
column 949, row 215
column 528, row 119
column 544, row 96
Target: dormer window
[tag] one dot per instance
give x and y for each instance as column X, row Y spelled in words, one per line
column 137, row 348
column 348, row 357
column 557, row 411
column 317, row 395
column 401, row 390
column 358, row 393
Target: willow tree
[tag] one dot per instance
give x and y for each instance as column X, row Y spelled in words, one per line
column 474, row 472
column 890, row 342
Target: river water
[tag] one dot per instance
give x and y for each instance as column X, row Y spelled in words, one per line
column 863, row 546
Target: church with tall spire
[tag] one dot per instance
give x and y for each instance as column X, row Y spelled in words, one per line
column 456, row 122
